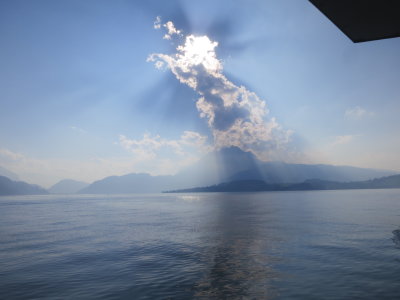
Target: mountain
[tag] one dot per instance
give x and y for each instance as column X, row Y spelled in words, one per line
column 384, row 182
column 206, row 171
column 311, row 184
column 226, row 165
column 217, row 166
column 131, row 183
column 8, row 174
column 275, row 172
column 10, row 187
column 67, row 186
column 232, row 164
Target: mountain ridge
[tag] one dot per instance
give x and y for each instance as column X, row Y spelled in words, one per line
column 308, row 185
column 11, row 187
column 67, row 186
column 229, row 164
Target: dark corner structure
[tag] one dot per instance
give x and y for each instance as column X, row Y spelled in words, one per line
column 363, row 20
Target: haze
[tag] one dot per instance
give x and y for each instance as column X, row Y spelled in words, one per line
column 79, row 98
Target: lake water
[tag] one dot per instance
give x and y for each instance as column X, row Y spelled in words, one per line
column 272, row 245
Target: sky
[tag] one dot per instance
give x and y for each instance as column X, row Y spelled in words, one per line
column 90, row 89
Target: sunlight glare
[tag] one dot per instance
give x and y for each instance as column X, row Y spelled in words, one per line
column 200, row 50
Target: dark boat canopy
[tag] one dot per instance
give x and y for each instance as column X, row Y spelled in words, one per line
column 363, row 20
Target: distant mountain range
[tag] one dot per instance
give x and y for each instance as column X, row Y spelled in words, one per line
column 130, row 183
column 11, row 187
column 238, row 169
column 307, row 185
column 67, row 186
column 230, row 165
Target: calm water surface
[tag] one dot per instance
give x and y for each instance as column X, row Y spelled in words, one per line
column 273, row 245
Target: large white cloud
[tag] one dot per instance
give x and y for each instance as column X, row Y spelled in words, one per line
column 235, row 115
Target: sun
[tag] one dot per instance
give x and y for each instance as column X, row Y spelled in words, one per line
column 200, row 50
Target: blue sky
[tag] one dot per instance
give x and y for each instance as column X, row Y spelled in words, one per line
column 80, row 100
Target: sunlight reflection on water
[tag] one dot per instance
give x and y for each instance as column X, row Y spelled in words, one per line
column 283, row 245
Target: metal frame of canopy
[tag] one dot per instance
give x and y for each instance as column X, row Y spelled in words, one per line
column 363, row 20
